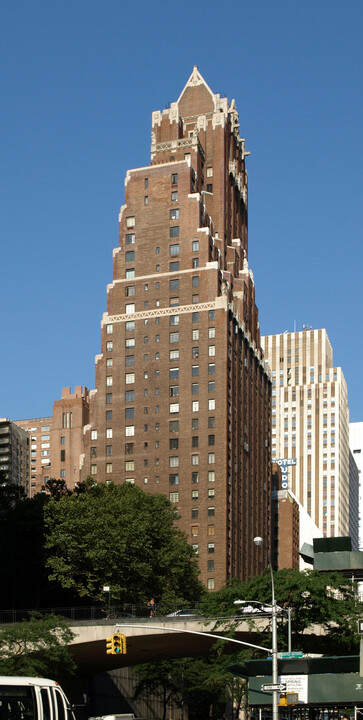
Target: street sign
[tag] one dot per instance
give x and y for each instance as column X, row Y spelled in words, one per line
column 285, row 655
column 280, row 687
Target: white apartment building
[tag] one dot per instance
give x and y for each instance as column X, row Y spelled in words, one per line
column 356, row 446
column 310, row 424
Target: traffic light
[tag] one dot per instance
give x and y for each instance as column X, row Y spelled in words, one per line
column 116, row 645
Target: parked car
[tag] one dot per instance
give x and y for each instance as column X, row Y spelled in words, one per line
column 187, row 612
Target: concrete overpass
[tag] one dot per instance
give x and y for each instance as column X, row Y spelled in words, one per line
column 150, row 639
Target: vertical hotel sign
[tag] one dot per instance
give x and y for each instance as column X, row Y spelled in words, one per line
column 284, row 463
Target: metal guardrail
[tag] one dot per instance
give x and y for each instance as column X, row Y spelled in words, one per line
column 91, row 612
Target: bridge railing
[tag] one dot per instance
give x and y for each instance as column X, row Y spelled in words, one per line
column 90, row 612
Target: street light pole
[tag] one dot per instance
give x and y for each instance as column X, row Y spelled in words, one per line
column 258, row 541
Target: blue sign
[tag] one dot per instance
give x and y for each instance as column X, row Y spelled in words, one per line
column 284, row 463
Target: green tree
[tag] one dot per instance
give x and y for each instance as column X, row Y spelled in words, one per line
column 121, row 536
column 38, row 646
column 325, row 599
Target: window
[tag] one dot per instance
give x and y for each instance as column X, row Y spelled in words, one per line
column 173, row 373
column 130, row 273
column 210, row 566
column 195, row 370
column 195, row 440
column 210, row 581
column 174, row 231
column 174, row 337
column 209, row 172
column 211, row 386
column 211, row 492
column 109, row 433
column 195, row 299
column 194, row 513
column 130, row 290
column 174, row 179
column 129, row 360
column 93, row 434
column 211, row 404
column 174, row 479
column 211, row 422
column 210, row 547
column 109, row 345
column 194, row 477
column 174, row 284
column 130, row 239
column 211, row 458
column 109, row 380
column 174, row 407
column 174, row 320
column 130, row 309
column 130, row 256
column 211, row 439
column 129, row 448
column 173, row 443
column 174, row 249
column 195, row 352
column 109, row 362
column 195, row 334
column 130, row 342
column 129, row 465
column 62, row 455
column 173, row 354
column 195, row 406
column 93, row 469
column 195, row 459
column 209, row 187
column 194, row 530
column 108, row 414
column 130, row 221
column 195, row 424
column 109, row 329
column 211, row 315
column 195, row 263
column 195, row 389
column 195, row 494
column 211, row 332
column 62, row 440
column 211, row 350
column 174, row 497
column 146, row 183
column 195, row 245
column 195, row 282
column 108, row 449
column 174, row 461
column 211, row 369
column 129, row 378
column 146, row 200
column 211, row 511
column 174, row 301
column 195, row 317
column 129, row 412
column 174, row 390
column 108, row 468
column 130, row 325
column 174, row 196
column 174, row 214
column 129, row 430
column 174, row 267
column 173, row 426
column 210, row 530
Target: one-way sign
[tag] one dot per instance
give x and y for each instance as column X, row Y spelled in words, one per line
column 280, row 687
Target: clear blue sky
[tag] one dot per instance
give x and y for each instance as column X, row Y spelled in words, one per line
column 79, row 81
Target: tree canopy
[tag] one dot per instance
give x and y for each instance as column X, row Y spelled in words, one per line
column 36, row 647
column 325, row 599
column 120, row 536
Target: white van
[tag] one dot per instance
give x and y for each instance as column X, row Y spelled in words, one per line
column 33, row 698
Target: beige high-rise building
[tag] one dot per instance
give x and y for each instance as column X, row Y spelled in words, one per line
column 310, row 425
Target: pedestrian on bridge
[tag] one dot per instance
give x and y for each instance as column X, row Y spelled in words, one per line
column 152, row 607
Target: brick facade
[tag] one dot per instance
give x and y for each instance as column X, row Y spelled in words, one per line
column 182, row 399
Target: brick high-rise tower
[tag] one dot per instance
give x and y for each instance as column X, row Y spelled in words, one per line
column 182, row 399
